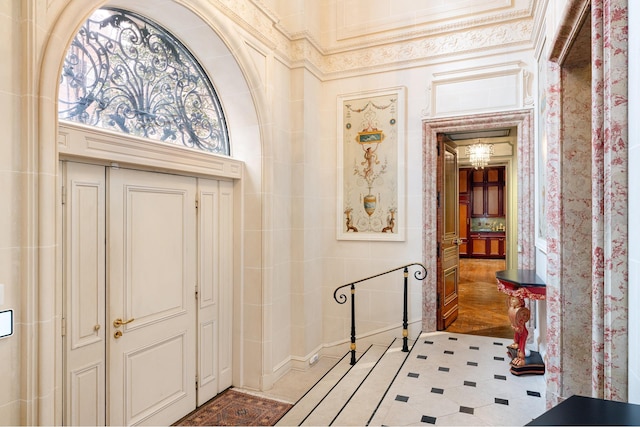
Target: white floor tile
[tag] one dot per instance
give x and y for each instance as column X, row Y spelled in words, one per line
column 430, row 387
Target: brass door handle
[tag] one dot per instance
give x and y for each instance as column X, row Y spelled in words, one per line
column 119, row 322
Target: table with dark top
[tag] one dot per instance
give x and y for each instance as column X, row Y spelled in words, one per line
column 589, row 411
column 519, row 285
column 522, row 283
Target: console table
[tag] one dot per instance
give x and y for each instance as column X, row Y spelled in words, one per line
column 520, row 285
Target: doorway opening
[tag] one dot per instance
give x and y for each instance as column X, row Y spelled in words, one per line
column 483, row 213
column 517, row 244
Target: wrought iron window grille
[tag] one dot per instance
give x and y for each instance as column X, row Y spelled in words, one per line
column 125, row 73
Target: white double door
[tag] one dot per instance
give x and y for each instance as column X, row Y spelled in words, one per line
column 147, row 294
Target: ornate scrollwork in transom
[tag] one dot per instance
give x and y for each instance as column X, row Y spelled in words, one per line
column 123, row 72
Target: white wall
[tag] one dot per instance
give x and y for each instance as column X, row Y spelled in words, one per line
column 347, row 261
column 379, row 301
column 12, row 199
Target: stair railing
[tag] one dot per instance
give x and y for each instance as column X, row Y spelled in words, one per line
column 342, row 298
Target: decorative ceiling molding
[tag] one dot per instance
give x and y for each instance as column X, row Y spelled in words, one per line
column 418, row 31
column 392, row 49
column 477, row 40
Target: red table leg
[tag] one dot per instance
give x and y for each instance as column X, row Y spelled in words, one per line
column 519, row 316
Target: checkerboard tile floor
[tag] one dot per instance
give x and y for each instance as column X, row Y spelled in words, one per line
column 463, row 380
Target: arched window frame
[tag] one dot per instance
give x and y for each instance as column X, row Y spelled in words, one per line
column 126, row 73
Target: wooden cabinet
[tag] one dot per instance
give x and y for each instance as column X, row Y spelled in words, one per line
column 487, row 245
column 487, row 192
column 463, row 211
column 482, row 196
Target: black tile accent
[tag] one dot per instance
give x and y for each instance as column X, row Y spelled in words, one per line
column 500, row 377
column 437, row 390
column 466, row 410
column 428, row 342
column 443, row 369
column 501, row 401
column 474, row 347
column 472, row 363
column 427, row 419
column 453, row 339
column 533, row 393
column 470, row 383
column 413, row 375
column 402, row 398
column 497, row 343
column 422, row 356
column 498, row 358
column 448, row 352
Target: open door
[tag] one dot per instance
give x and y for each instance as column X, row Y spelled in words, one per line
column 447, row 232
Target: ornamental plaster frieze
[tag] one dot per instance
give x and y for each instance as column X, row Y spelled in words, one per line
column 428, row 29
column 471, row 42
column 303, row 51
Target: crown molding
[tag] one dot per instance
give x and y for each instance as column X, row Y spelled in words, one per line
column 475, row 36
column 431, row 30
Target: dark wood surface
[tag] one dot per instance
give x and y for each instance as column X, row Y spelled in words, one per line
column 588, row 411
column 486, row 244
column 520, row 278
column 481, row 243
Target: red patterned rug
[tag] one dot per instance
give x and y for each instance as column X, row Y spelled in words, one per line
column 232, row 408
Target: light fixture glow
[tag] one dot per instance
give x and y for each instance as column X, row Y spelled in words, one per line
column 479, row 154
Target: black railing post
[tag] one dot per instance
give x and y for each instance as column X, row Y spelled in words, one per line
column 405, row 320
column 341, row 298
column 353, row 324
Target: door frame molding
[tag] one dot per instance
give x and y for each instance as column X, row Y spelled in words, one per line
column 523, row 120
column 78, row 142
column 84, row 144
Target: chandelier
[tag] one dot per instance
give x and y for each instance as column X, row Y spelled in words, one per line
column 479, row 154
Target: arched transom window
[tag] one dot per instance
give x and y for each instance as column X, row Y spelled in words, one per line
column 126, row 73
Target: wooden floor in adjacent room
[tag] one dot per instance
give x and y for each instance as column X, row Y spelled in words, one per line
column 482, row 308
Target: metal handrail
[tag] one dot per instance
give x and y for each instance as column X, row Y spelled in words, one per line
column 342, row 298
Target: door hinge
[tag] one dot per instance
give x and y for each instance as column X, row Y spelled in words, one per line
column 196, row 203
column 438, row 198
column 196, row 381
column 196, row 294
column 438, row 148
column 64, row 195
column 63, row 326
column 438, row 250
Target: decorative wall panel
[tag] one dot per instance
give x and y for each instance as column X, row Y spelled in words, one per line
column 478, row 90
column 371, row 146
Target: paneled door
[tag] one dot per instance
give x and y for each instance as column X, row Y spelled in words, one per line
column 448, row 257
column 83, row 319
column 215, row 293
column 152, row 306
column 148, row 294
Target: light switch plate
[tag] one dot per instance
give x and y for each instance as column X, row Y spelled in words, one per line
column 6, row 323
